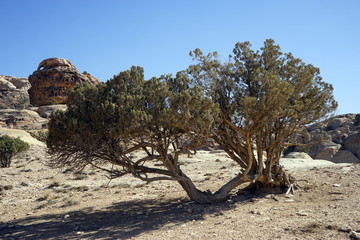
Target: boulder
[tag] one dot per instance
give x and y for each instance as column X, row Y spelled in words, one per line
column 21, row 119
column 327, row 150
column 6, row 85
column 337, row 122
column 339, row 135
column 13, row 92
column 53, row 79
column 48, row 110
column 323, row 140
column 22, row 84
column 352, row 143
column 315, row 126
column 345, row 156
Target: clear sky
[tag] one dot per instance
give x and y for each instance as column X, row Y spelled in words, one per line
column 105, row 37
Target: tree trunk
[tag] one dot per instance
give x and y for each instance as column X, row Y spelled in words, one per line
column 277, row 178
column 208, row 197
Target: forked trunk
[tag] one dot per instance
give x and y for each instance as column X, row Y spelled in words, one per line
column 208, row 197
column 274, row 178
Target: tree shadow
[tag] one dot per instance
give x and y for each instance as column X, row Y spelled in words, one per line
column 119, row 221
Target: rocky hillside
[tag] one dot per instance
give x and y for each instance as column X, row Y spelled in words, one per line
column 336, row 140
column 28, row 103
column 14, row 92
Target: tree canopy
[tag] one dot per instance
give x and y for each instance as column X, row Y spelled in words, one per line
column 251, row 105
column 106, row 124
column 265, row 98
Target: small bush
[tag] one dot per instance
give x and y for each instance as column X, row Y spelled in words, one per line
column 9, row 147
column 80, row 176
column 311, row 227
column 54, row 184
column 43, row 198
column 24, row 184
column 82, row 188
column 70, row 202
column 6, row 187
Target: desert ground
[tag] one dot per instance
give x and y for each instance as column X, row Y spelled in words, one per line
column 38, row 202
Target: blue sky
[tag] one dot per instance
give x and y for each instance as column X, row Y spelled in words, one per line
column 108, row 36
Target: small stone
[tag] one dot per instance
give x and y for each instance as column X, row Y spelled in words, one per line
column 303, row 214
column 290, row 200
column 66, row 216
column 29, row 213
column 355, row 235
column 274, row 197
column 345, row 229
column 336, row 185
column 79, row 233
column 255, row 211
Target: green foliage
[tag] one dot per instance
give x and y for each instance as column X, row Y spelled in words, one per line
column 9, row 147
column 265, row 98
column 252, row 106
column 106, row 122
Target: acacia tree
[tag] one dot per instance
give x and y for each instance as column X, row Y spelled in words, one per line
column 128, row 126
column 265, row 98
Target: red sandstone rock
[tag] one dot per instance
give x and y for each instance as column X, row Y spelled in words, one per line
column 53, row 79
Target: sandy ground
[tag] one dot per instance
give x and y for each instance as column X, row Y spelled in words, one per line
column 37, row 202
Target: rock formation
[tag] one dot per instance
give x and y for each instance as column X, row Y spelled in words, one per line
column 21, row 119
column 340, row 139
column 53, row 79
column 13, row 92
column 48, row 110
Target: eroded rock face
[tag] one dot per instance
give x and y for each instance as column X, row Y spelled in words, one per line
column 13, row 92
column 21, row 119
column 53, row 79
